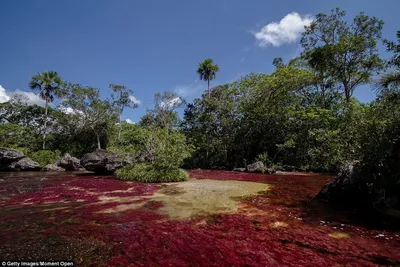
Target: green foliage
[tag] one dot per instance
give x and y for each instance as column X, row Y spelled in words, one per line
column 89, row 110
column 346, row 53
column 264, row 158
column 149, row 173
column 207, row 71
column 391, row 79
column 121, row 100
column 164, row 113
column 16, row 136
column 44, row 157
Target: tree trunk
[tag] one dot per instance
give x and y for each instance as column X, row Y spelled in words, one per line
column 45, row 126
column 120, row 127
column 208, row 147
column 347, row 94
column 98, row 141
column 207, row 132
column 208, row 87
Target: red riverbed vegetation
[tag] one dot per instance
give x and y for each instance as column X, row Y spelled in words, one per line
column 58, row 218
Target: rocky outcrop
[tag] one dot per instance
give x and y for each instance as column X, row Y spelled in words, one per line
column 14, row 160
column 101, row 162
column 343, row 187
column 24, row 164
column 69, row 163
column 53, row 168
column 8, row 155
column 257, row 166
column 269, row 171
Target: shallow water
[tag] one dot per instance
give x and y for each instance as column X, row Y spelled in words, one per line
column 217, row 218
column 204, row 197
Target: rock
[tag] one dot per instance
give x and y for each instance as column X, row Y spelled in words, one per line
column 24, row 164
column 343, row 187
column 69, row 163
column 8, row 155
column 53, row 167
column 102, row 162
column 239, row 170
column 269, row 171
column 257, row 166
column 14, row 160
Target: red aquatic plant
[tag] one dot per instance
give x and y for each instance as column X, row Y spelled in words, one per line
column 280, row 227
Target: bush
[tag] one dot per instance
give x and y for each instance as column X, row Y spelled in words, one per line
column 44, row 157
column 147, row 173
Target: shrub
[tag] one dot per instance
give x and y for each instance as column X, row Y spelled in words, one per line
column 44, row 157
column 144, row 172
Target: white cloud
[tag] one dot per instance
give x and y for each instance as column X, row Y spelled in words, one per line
column 175, row 101
column 130, row 121
column 69, row 110
column 4, row 97
column 193, row 89
column 135, row 100
column 29, row 98
column 286, row 31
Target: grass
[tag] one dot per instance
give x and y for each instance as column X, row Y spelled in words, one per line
column 146, row 173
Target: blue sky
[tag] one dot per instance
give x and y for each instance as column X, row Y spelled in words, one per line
column 152, row 46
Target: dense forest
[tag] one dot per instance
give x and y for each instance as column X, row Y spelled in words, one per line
column 300, row 117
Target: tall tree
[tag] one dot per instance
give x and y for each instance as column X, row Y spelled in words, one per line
column 122, row 99
column 164, row 113
column 89, row 110
column 48, row 84
column 207, row 71
column 348, row 52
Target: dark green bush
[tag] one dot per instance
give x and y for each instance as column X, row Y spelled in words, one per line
column 144, row 172
column 44, row 157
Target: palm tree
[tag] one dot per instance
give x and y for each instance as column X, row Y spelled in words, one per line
column 207, row 71
column 389, row 80
column 48, row 84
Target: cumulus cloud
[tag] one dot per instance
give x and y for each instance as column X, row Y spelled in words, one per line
column 135, row 100
column 29, row 98
column 4, row 97
column 130, row 121
column 286, row 31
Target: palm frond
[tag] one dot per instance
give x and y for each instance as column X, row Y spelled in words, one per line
column 389, row 80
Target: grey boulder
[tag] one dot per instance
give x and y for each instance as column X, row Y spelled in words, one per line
column 53, row 167
column 9, row 155
column 343, row 187
column 24, row 164
column 102, row 162
column 69, row 163
column 257, row 166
